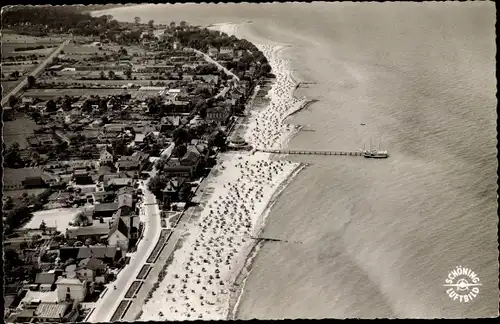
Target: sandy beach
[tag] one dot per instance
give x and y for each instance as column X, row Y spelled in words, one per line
column 200, row 281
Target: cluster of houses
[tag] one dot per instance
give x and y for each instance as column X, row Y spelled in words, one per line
column 73, row 266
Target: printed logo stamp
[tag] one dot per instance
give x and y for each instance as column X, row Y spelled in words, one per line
column 464, row 284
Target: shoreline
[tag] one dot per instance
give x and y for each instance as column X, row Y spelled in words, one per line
column 242, row 276
column 244, row 185
column 273, row 56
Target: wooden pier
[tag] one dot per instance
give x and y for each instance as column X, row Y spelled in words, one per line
column 347, row 153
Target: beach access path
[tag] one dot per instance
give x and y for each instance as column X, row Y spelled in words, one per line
column 39, row 69
column 220, row 66
column 106, row 306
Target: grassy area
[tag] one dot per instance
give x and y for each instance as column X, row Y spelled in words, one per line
column 18, row 130
column 47, row 94
column 132, row 289
column 144, row 271
column 22, row 68
column 9, row 85
column 15, row 177
column 26, row 39
column 122, row 307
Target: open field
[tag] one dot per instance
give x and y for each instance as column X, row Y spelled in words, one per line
column 59, row 218
column 8, row 85
column 29, row 40
column 18, row 130
column 15, row 177
column 22, row 68
column 47, row 94
column 17, row 194
column 9, row 49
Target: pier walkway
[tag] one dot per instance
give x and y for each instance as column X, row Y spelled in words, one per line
column 302, row 152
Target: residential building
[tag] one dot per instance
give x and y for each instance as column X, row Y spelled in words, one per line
column 95, row 232
column 217, row 115
column 107, row 254
column 55, row 313
column 113, row 184
column 174, row 168
column 119, row 234
column 169, row 123
column 105, row 209
column 82, row 177
column 73, row 289
column 46, row 280
column 105, row 157
column 33, row 182
column 212, row 51
column 174, row 190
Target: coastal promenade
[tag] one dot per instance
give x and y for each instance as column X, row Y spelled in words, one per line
column 178, row 230
column 35, row 73
column 106, row 306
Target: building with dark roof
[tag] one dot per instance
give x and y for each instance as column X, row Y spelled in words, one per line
column 33, row 182
column 119, row 234
column 105, row 209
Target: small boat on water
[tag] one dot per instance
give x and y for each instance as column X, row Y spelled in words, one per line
column 362, row 124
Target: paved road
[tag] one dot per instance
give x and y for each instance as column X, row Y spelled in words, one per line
column 106, row 306
column 211, row 60
column 38, row 69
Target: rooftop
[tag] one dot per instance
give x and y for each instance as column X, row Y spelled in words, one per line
column 51, row 310
column 105, row 207
column 95, row 229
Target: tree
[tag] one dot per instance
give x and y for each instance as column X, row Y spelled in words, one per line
column 43, row 226
column 180, row 135
column 31, row 81
column 9, row 203
column 128, row 73
column 137, row 20
column 51, row 106
column 151, row 23
column 172, row 25
column 102, row 76
column 180, row 150
column 219, row 139
column 12, row 156
column 203, row 112
column 13, row 101
column 156, row 184
column 111, row 75
column 183, row 24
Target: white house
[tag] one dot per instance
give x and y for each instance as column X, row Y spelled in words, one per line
column 226, row 51
column 71, row 289
column 105, row 157
column 118, row 234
